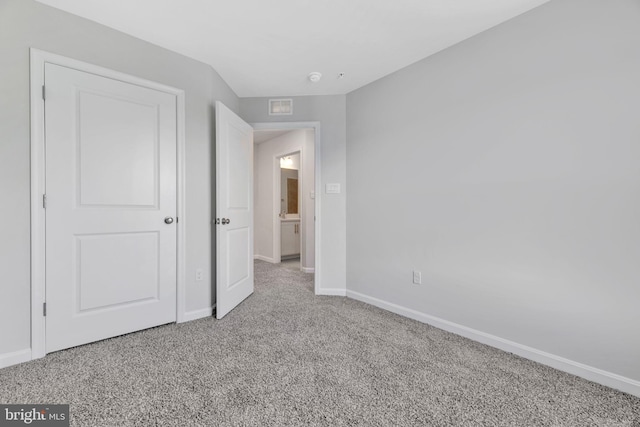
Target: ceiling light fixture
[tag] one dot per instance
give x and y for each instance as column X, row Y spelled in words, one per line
column 315, row 77
column 286, row 162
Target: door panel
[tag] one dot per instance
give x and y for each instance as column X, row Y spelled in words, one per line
column 116, row 269
column 112, row 170
column 238, row 170
column 234, row 202
column 287, row 238
column 238, row 258
column 111, row 181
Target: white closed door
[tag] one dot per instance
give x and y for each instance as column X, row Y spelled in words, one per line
column 110, row 184
column 234, row 210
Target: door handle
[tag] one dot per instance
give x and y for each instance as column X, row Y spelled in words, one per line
column 226, row 221
column 168, row 220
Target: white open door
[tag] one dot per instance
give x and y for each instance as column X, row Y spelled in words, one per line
column 234, row 206
column 110, row 207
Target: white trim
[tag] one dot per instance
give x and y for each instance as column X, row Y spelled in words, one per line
column 590, row 373
column 15, row 357
column 317, row 143
column 181, row 212
column 38, row 58
column 276, row 236
column 37, row 61
column 264, row 258
column 336, row 292
column 307, row 270
column 197, row 314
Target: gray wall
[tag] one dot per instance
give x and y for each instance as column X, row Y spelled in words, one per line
column 330, row 112
column 507, row 170
column 25, row 24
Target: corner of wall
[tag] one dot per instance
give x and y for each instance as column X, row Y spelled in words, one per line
column 590, row 373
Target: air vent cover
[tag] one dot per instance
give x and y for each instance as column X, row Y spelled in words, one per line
column 280, row 107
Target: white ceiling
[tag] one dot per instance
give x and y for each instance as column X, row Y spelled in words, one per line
column 268, row 47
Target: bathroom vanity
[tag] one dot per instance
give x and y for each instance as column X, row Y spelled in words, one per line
column 289, row 237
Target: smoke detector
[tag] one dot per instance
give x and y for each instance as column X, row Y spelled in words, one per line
column 315, row 77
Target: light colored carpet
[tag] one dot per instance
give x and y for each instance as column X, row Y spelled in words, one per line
column 287, row 357
column 291, row 264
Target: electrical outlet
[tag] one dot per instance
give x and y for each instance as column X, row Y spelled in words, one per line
column 199, row 274
column 417, row 277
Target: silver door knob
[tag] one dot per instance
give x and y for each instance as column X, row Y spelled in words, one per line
column 168, row 220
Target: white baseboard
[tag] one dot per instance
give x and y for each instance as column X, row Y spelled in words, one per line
column 264, row 258
column 198, row 314
column 308, row 269
column 590, row 373
column 15, row 357
column 337, row 292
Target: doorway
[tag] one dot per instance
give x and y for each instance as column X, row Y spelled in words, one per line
column 292, row 221
column 280, row 228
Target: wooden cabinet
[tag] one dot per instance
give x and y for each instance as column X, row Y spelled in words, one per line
column 289, row 239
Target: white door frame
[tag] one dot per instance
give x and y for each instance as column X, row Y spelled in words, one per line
column 317, row 190
column 38, row 180
column 277, row 196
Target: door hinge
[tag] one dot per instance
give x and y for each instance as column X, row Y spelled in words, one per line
column 177, row 220
column 44, row 309
column 44, row 97
column 44, row 201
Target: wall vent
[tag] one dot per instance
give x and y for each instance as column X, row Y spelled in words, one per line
column 280, row 107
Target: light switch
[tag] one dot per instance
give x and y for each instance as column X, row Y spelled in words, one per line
column 333, row 188
column 312, row 195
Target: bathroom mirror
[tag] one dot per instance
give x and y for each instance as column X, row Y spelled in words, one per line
column 289, row 191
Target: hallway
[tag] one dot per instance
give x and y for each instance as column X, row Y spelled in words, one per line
column 286, row 274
